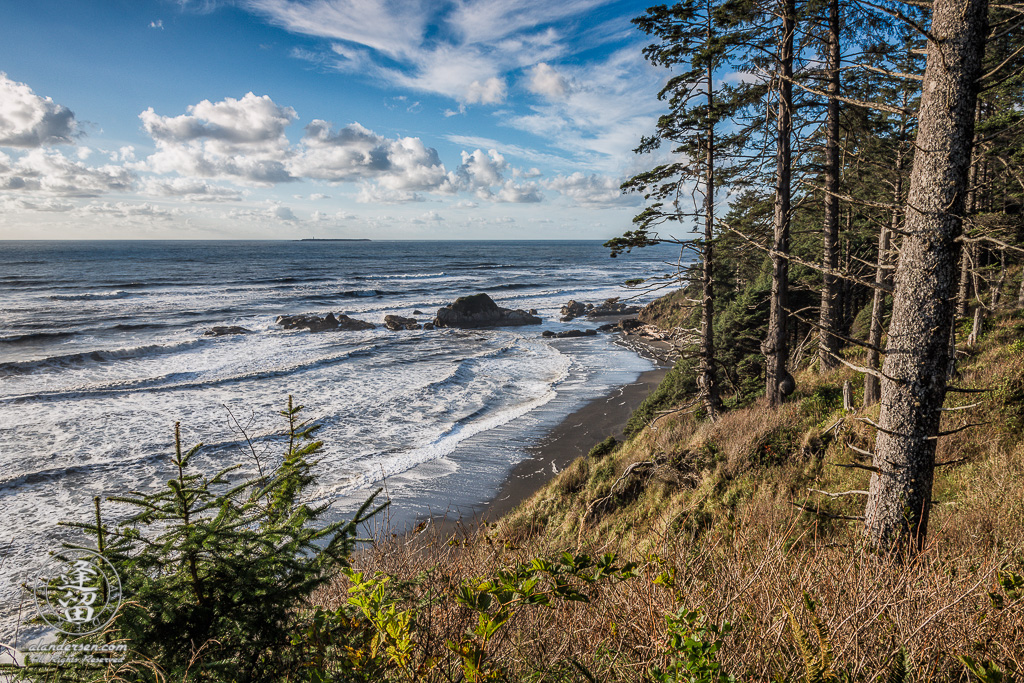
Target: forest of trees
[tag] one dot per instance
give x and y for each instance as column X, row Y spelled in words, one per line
column 850, row 177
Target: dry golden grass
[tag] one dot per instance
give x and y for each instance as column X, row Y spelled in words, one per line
column 713, row 507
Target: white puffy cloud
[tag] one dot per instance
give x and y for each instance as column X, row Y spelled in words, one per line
column 128, row 210
column 518, row 193
column 275, row 212
column 544, row 80
column 480, row 169
column 352, row 153
column 50, row 172
column 28, row 120
column 45, row 204
column 371, row 193
column 253, row 122
column 191, row 189
column 483, row 173
column 591, row 189
column 239, row 139
column 490, row 91
column 428, row 218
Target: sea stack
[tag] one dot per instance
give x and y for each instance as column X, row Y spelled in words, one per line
column 479, row 310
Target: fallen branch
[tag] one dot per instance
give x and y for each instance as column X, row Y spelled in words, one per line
column 849, row 518
column 840, row 493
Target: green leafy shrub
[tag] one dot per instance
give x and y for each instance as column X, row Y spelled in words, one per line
column 604, row 448
column 692, row 650
column 679, row 384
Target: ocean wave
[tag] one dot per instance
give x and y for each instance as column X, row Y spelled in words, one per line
column 510, row 285
column 404, row 276
column 86, row 358
column 33, row 337
column 178, row 381
column 90, row 296
column 118, row 466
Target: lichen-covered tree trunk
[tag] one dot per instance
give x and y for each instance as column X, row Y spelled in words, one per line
column 778, row 382
column 828, row 319
column 914, row 372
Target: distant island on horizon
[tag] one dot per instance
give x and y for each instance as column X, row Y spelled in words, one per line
column 334, row 239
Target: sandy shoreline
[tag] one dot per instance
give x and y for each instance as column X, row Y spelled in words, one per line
column 573, row 437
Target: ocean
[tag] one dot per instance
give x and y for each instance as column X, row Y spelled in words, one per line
column 102, row 350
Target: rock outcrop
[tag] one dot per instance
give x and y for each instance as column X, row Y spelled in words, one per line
column 397, row 322
column 329, row 323
column 479, row 310
column 572, row 309
column 224, row 330
column 611, row 307
column 568, row 333
column 575, row 309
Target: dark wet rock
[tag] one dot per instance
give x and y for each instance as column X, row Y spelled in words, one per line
column 533, row 311
column 572, row 309
column 417, row 312
column 479, row 310
column 224, row 330
column 567, row 334
column 397, row 322
column 609, row 327
column 328, row 323
column 630, row 324
column 611, row 307
column 428, row 326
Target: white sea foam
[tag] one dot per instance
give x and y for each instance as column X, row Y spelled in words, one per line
column 92, row 386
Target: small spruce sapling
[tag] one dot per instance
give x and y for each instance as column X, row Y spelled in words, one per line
column 215, row 572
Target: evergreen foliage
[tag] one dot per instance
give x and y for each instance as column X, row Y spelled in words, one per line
column 216, row 571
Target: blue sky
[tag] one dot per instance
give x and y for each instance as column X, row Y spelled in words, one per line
column 471, row 119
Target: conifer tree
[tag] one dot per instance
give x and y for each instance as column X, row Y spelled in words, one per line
column 691, row 37
column 215, row 569
column 914, row 372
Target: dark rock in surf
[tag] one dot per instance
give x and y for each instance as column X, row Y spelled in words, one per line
column 611, row 307
column 572, row 309
column 417, row 312
column 397, row 322
column 428, row 326
column 479, row 310
column 328, row 323
column 629, row 324
column 568, row 334
column 224, row 330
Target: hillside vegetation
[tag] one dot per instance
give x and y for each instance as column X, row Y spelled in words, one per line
column 763, row 575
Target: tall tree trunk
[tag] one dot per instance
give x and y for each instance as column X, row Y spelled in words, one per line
column 706, row 377
column 914, row 372
column 778, row 381
column 828, row 343
column 997, row 293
